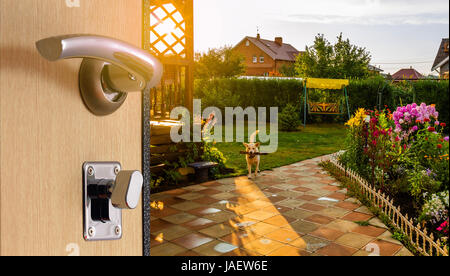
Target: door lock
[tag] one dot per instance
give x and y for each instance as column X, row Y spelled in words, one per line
column 107, row 190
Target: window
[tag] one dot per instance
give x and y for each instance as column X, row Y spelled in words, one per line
column 261, row 59
column 255, row 59
column 247, row 43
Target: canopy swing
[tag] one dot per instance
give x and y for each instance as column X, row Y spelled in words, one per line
column 325, row 108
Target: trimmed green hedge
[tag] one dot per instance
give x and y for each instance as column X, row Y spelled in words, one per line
column 223, row 93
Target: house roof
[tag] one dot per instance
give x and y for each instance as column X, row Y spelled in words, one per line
column 285, row 52
column 441, row 55
column 407, row 74
column 374, row 68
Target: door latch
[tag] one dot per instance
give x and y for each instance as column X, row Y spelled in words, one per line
column 107, row 190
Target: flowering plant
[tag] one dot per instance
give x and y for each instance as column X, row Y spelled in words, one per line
column 409, row 119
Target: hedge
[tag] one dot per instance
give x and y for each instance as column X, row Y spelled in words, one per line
column 366, row 93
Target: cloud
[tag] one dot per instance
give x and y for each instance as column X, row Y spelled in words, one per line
column 364, row 12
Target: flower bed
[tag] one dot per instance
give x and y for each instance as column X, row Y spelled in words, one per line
column 404, row 154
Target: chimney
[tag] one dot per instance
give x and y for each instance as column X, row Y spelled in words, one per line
column 279, row 40
column 258, row 36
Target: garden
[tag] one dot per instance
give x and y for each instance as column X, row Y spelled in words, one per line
column 404, row 154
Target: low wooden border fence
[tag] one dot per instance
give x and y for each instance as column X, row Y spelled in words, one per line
column 425, row 243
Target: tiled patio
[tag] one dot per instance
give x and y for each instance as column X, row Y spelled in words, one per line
column 298, row 210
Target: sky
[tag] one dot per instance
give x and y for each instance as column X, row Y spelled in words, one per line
column 397, row 33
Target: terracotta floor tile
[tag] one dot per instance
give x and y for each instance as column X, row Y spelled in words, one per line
column 302, row 226
column 291, row 203
column 336, row 250
column 203, row 211
column 167, row 211
column 179, row 218
column 273, row 190
column 279, row 220
column 327, row 233
column 312, row 207
column 387, row 248
column 192, row 241
column 186, row 206
column 302, row 189
column 260, row 215
column 190, row 196
column 277, row 209
column 276, row 198
column 342, row 225
column 156, row 240
column 206, row 200
column 288, row 250
column 211, row 184
column 354, row 240
column 319, row 219
column 347, row 205
column 158, row 225
column 189, row 253
column 355, row 216
column 217, row 231
column 369, row 231
column 173, row 232
column 260, row 204
column 176, row 192
column 241, row 253
column 298, row 214
column 223, row 196
column 167, row 249
column 198, row 224
column 221, row 217
column 215, row 248
column 338, row 196
column 240, row 238
column 314, row 243
column 263, row 246
column 262, row 228
column 172, row 201
column 331, row 188
column 404, row 253
column 210, row 192
column 334, row 212
column 307, row 197
column 283, row 235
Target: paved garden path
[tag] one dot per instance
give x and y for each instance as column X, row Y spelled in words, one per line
column 297, row 210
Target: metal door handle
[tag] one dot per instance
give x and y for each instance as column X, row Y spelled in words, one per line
column 110, row 69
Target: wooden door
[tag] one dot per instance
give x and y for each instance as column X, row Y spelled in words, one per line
column 47, row 133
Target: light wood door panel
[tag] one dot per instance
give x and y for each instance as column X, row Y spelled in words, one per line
column 47, row 133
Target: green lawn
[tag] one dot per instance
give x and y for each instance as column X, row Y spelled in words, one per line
column 310, row 142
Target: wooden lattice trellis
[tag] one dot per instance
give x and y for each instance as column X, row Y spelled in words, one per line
column 168, row 34
column 425, row 243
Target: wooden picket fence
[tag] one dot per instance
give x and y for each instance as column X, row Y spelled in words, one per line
column 425, row 243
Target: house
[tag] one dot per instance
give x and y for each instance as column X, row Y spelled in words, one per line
column 266, row 57
column 441, row 62
column 373, row 70
column 407, row 74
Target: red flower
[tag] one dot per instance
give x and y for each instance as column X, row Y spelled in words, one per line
column 431, row 129
column 418, row 121
column 443, row 124
column 439, row 146
column 427, row 120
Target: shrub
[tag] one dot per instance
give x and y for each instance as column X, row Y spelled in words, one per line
column 289, row 119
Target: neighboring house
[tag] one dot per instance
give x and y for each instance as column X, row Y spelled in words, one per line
column 373, row 70
column 441, row 62
column 407, row 74
column 265, row 57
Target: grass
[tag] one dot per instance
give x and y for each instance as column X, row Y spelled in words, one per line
column 310, row 142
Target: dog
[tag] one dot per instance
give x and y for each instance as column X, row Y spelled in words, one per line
column 252, row 157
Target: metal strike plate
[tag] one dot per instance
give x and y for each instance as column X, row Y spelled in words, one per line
column 95, row 230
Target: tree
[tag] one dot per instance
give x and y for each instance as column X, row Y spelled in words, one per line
column 339, row 61
column 219, row 63
column 287, row 70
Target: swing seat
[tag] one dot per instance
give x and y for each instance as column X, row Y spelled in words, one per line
column 324, row 108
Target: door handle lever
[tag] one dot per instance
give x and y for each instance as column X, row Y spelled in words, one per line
column 110, row 69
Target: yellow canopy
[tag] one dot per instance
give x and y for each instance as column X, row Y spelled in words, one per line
column 326, row 83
